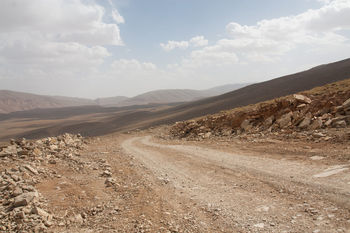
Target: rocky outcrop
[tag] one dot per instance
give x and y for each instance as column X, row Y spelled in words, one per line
column 22, row 207
column 314, row 110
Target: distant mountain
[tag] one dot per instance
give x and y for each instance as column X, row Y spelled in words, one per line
column 177, row 95
column 110, row 101
column 11, row 101
column 163, row 96
column 251, row 94
column 139, row 117
column 73, row 101
column 219, row 90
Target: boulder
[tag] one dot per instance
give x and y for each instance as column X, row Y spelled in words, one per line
column 226, row 132
column 106, row 173
column 78, row 219
column 109, row 182
column 37, row 152
column 339, row 124
column 269, row 121
column 302, row 99
column 207, row 135
column 17, row 191
column 246, row 125
column 346, row 104
column 23, row 152
column 9, row 151
column 316, row 124
column 347, row 111
column 53, row 147
column 306, row 121
column 318, row 135
column 20, row 215
column 24, row 199
column 328, row 123
column 335, row 121
column 3, row 154
column 41, row 212
column 31, row 169
column 285, row 120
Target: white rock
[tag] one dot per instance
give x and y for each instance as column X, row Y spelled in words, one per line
column 302, row 98
column 40, row 212
column 346, row 104
column 259, row 225
column 31, row 169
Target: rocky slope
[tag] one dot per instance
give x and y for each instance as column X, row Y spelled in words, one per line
column 115, row 183
column 25, row 164
column 307, row 114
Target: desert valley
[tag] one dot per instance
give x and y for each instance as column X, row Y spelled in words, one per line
column 174, row 116
column 274, row 161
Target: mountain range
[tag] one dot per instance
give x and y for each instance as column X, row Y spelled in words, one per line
column 94, row 120
column 11, row 101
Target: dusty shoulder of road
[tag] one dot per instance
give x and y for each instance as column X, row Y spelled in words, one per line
column 144, row 182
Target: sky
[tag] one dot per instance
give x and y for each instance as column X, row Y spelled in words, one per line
column 102, row 48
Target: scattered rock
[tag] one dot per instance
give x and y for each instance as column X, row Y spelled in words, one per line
column 109, row 182
column 269, row 121
column 24, row 199
column 9, row 151
column 288, row 116
column 21, row 205
column 316, row 157
column 339, row 124
column 285, row 120
column 31, row 169
column 302, row 98
column 316, row 124
column 106, row 173
column 306, row 122
column 259, row 225
column 246, row 126
column 17, row 191
column 346, row 104
column 41, row 212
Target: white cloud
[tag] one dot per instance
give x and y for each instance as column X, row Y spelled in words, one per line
column 132, row 65
column 174, row 44
column 54, row 39
column 324, row 1
column 197, row 41
column 211, row 57
column 277, row 36
column 269, row 40
column 117, row 17
column 271, row 48
column 62, row 44
column 73, row 21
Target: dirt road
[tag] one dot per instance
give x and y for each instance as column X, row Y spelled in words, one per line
column 142, row 182
column 230, row 192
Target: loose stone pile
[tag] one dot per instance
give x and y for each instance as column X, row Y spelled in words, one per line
column 314, row 113
column 22, row 207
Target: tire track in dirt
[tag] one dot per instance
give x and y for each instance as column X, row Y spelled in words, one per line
column 246, row 192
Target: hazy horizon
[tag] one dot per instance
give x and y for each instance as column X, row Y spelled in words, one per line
column 129, row 96
column 93, row 49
